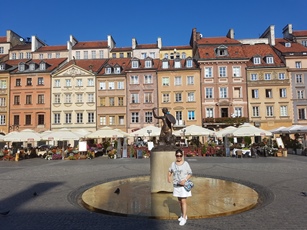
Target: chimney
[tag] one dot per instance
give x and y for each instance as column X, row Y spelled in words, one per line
column 231, row 34
column 287, row 32
column 159, row 43
column 134, row 43
column 269, row 33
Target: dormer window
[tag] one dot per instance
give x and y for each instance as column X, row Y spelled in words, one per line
column 177, row 63
column 165, row 64
column 148, row 63
column 257, row 60
column 221, row 51
column 117, row 70
column 2, row 66
column 269, row 60
column 135, row 64
column 21, row 66
column 189, row 63
column 287, row 44
column 32, row 66
column 108, row 70
column 183, row 55
column 42, row 66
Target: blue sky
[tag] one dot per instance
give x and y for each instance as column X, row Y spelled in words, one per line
column 54, row 20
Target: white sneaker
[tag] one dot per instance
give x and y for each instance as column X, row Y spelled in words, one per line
column 180, row 218
column 182, row 221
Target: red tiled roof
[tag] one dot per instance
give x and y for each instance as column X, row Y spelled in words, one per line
column 51, row 48
column 122, row 62
column 91, row 45
column 217, row 40
column 171, row 65
column 234, row 52
column 300, row 33
column 294, row 48
column 3, row 39
column 88, row 64
column 261, row 50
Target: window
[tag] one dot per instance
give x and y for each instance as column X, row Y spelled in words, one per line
column 3, row 84
column 190, row 80
column 16, row 100
column 300, row 94
column 191, row 115
column 90, row 82
column 237, row 92
column 178, row 80
column 238, row 112
column 100, row 54
column 165, row 97
column 113, row 55
column 79, row 98
column 68, row 83
column 41, row 99
column 57, row 55
column 148, row 64
column 121, row 55
column 20, row 55
column 191, row 96
column 79, row 118
column 57, row 118
column 269, row 111
column 304, row 43
column 40, row 81
column 298, row 78
column 28, row 119
column 49, row 55
column 147, row 79
column 78, row 55
column 134, row 80
column 298, row 64
column 269, row 60
column 178, row 97
column 221, row 51
column 2, row 66
column 1, row 50
column 134, row 98
column 121, row 120
column 29, row 55
column 236, row 70
column 111, row 120
column 41, row 119
column 302, row 114
column 90, row 98
column 283, row 92
column 189, row 63
column 18, row 82
column 93, row 54
column 223, row 92
column 102, row 85
column 21, row 67
column 268, row 93
column 283, row 110
column 91, row 117
column 85, row 54
column 111, row 85
column 143, row 55
column 267, row 76
column 209, row 112
column 57, row 98
column 208, row 72
column 28, row 99
column 257, row 60
column 29, row 81
column 209, row 92
column 165, row 81
column 41, row 56
column 177, row 64
column 2, row 101
column 152, row 54
column 135, row 64
column 148, row 98
column 120, row 85
column 254, row 77
column 2, row 120
column 281, row 76
column 102, row 101
column 111, row 101
column 67, row 98
column 222, row 71
column 117, row 70
column 108, row 70
column 256, row 111
column 16, row 119
column 255, row 93
column 67, row 118
column 166, row 55
column 32, row 66
column 165, row 64
column 103, row 120
column 120, row 101
column 42, row 66
column 134, row 117
column 79, row 83
column 148, row 117
column 57, row 83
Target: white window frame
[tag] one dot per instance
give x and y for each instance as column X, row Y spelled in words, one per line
column 134, row 79
column 236, row 71
column 190, row 80
column 178, row 80
column 222, row 71
column 165, row 81
column 283, row 110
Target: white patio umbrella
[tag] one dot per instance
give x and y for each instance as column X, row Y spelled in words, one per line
column 248, row 130
column 60, row 135
column 22, row 136
column 105, row 132
column 147, row 131
column 225, row 131
column 292, row 129
column 194, row 130
column 277, row 130
column 81, row 132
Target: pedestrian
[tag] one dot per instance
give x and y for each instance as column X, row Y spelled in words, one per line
column 181, row 172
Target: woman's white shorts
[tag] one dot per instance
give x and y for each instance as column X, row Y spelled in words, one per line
column 179, row 191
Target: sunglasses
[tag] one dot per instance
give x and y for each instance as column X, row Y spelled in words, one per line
column 178, row 155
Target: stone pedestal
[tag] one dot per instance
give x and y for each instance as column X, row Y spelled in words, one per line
column 160, row 161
